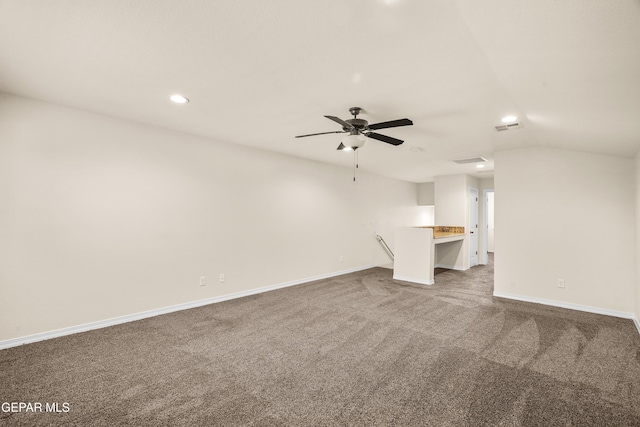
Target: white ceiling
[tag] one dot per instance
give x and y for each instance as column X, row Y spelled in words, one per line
column 260, row 72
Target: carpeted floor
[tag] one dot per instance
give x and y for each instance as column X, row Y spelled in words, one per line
column 360, row 349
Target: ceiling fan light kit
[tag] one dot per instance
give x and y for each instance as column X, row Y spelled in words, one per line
column 353, row 141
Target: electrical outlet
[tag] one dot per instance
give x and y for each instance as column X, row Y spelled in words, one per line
column 221, row 278
column 203, row 280
column 341, row 258
column 561, row 283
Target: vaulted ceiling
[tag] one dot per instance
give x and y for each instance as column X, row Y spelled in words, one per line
column 260, row 72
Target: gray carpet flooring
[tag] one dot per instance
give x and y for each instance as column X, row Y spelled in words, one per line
column 359, row 349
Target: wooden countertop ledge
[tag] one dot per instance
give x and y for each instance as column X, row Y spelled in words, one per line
column 440, row 231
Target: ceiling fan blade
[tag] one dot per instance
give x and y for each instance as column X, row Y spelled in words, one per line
column 340, row 121
column 321, row 133
column 391, row 124
column 384, row 138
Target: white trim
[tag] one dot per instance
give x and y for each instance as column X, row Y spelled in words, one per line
column 485, row 224
column 14, row 342
column 451, row 267
column 440, row 240
column 413, row 280
column 571, row 306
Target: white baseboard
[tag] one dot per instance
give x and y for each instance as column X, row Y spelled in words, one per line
column 14, row 342
column 413, row 280
column 571, row 306
column 451, row 267
column 388, row 266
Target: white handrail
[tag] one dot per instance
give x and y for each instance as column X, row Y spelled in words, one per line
column 386, row 247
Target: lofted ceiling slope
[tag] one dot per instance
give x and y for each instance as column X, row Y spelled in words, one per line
column 258, row 73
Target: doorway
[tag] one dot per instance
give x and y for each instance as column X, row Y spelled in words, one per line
column 473, row 227
column 489, row 225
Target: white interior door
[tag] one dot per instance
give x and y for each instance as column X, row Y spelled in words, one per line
column 473, row 227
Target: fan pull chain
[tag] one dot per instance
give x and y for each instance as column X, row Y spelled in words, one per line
column 354, row 165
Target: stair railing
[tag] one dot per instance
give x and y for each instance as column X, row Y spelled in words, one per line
column 384, row 245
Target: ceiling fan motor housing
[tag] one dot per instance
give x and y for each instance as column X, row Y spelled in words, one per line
column 359, row 124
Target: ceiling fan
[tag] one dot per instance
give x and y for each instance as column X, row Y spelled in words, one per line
column 360, row 129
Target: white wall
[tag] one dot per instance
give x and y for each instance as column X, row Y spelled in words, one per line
column 486, row 183
column 451, row 200
column 102, row 218
column 426, row 215
column 637, row 287
column 426, row 195
column 452, row 208
column 569, row 215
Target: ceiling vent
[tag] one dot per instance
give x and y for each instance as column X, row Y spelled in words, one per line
column 470, row 160
column 509, row 126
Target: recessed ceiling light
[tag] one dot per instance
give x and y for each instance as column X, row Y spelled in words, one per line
column 509, row 119
column 179, row 99
column 480, row 166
